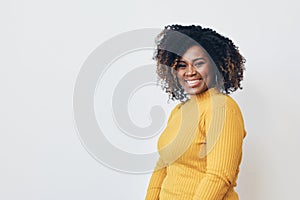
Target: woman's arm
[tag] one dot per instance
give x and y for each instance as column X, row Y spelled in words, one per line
column 160, row 170
column 224, row 138
column 156, row 180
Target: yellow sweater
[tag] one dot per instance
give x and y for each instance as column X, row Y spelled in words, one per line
column 200, row 150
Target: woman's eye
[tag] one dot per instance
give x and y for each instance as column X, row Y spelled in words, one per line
column 180, row 66
column 198, row 64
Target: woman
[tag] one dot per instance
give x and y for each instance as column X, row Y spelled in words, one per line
column 201, row 147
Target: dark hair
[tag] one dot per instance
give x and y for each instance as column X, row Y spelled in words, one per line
column 174, row 40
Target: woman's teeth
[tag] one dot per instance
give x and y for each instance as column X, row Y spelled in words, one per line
column 193, row 82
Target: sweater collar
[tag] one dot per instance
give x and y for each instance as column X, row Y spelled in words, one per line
column 203, row 96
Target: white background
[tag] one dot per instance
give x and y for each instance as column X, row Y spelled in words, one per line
column 43, row 45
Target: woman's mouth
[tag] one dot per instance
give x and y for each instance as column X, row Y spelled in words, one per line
column 193, row 82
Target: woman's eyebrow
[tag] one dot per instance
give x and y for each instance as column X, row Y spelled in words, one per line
column 200, row 58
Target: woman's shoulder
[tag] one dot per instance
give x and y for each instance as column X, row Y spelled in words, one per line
column 177, row 107
column 225, row 101
column 174, row 110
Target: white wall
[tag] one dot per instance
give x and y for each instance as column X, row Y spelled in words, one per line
column 43, row 46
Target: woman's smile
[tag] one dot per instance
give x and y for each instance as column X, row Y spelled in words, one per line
column 193, row 82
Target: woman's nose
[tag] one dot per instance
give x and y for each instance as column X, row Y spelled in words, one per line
column 190, row 70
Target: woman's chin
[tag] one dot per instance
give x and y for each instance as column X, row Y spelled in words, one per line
column 194, row 91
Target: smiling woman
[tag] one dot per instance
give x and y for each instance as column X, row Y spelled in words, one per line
column 201, row 146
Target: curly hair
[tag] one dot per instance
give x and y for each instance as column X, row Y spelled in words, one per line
column 174, row 40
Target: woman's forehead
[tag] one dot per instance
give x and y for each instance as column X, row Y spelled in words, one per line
column 193, row 53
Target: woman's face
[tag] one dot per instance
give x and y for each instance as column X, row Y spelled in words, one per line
column 195, row 70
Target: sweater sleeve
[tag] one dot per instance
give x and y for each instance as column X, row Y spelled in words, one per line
column 160, row 170
column 224, row 138
column 156, row 180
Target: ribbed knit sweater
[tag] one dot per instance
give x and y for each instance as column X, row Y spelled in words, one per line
column 200, row 150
